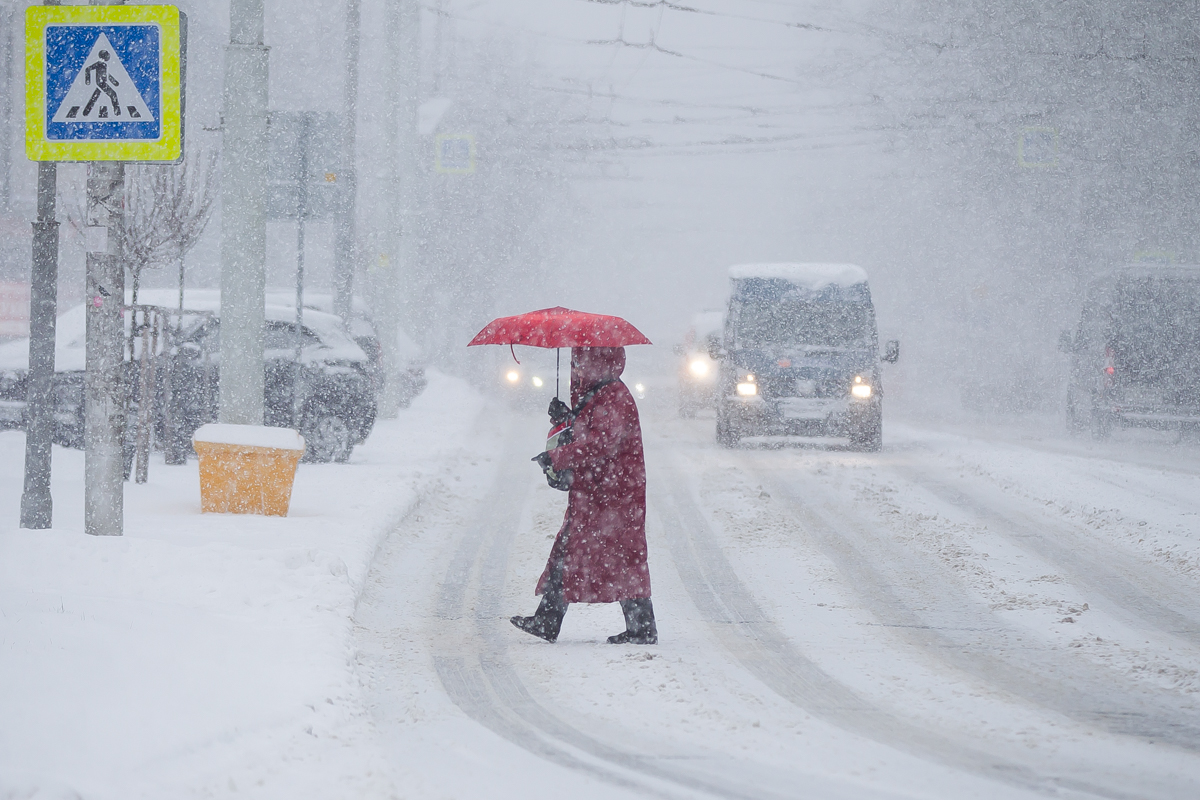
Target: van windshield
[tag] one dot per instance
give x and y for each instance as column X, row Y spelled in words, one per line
column 798, row 323
column 1155, row 327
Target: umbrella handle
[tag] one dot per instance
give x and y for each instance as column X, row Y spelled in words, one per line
column 514, row 354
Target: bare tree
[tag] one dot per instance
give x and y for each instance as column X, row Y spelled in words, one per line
column 166, row 211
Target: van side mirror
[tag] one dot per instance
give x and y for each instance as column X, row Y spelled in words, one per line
column 1066, row 342
column 891, row 351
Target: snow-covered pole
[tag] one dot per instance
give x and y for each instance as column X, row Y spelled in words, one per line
column 404, row 35
column 37, row 505
column 345, row 253
column 104, row 351
column 243, row 216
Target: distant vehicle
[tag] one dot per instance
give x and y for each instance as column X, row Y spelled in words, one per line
column 530, row 384
column 800, row 355
column 697, row 369
column 336, row 403
column 1135, row 357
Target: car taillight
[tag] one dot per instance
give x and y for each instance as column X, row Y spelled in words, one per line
column 1110, row 367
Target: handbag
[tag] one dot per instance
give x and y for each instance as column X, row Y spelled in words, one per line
column 561, row 434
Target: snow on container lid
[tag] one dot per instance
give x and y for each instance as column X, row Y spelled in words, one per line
column 249, row 436
column 811, row 276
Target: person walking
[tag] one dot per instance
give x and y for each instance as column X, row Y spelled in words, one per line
column 599, row 555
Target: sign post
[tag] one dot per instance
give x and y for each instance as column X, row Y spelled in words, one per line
column 104, row 84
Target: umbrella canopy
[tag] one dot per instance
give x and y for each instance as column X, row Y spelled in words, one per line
column 560, row 327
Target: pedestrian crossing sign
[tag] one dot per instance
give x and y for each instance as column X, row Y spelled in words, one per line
column 104, row 83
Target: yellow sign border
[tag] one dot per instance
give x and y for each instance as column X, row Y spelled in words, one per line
column 437, row 154
column 169, row 146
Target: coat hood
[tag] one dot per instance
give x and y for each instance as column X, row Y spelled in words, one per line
column 592, row 365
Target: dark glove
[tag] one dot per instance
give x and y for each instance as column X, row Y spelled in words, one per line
column 558, row 411
column 543, row 460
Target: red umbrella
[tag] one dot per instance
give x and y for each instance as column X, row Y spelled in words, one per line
column 560, row 327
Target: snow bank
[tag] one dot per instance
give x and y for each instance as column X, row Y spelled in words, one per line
column 249, row 436
column 811, row 276
column 204, row 656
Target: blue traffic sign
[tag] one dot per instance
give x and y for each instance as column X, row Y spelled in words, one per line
column 104, row 83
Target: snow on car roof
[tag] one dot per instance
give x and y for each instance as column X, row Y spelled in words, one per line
column 70, row 344
column 812, row 276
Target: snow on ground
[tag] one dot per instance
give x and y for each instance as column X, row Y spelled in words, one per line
column 969, row 614
column 203, row 655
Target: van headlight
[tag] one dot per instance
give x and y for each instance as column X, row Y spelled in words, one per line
column 747, row 386
column 537, row 381
column 698, row 367
column 861, row 389
column 512, row 376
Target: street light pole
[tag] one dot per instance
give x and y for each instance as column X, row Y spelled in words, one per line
column 37, row 505
column 345, row 251
column 104, row 356
column 104, row 349
column 243, row 216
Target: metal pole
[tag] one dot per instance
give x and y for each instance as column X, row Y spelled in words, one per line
column 243, row 218
column 301, row 216
column 104, row 403
column 404, row 34
column 7, row 15
column 345, row 249
column 37, row 506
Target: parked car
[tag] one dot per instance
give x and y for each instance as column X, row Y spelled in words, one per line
column 1135, row 356
column 410, row 375
column 799, row 355
column 335, row 409
column 697, row 369
column 334, row 405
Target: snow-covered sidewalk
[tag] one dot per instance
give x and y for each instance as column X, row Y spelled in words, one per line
column 203, row 655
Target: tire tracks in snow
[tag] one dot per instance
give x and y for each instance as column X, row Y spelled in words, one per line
column 1066, row 546
column 1036, row 674
column 754, row 640
column 482, row 681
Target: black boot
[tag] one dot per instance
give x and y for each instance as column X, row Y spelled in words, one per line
column 639, row 623
column 546, row 622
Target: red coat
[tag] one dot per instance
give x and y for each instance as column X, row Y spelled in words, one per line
column 603, row 538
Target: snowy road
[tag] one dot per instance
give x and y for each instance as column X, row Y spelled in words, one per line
column 955, row 617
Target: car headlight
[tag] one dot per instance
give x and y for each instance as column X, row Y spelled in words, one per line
column 640, row 389
column 861, row 389
column 698, row 367
column 537, row 381
column 747, row 389
column 513, row 376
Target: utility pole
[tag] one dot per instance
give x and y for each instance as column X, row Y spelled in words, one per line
column 37, row 505
column 243, row 216
column 7, row 16
column 403, row 86
column 345, row 250
column 104, row 351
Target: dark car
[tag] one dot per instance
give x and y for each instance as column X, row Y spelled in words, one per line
column 800, row 355
column 1135, row 357
column 334, row 408
column 410, row 372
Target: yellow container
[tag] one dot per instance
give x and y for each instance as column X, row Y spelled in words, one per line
column 247, row 469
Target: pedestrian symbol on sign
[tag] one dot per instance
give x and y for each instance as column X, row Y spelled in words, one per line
column 102, row 90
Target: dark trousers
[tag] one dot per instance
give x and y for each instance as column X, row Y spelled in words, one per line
column 638, row 611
